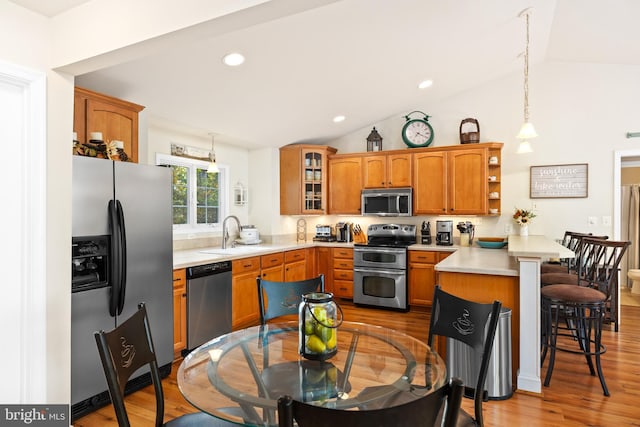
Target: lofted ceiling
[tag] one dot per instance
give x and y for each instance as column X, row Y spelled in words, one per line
column 359, row 58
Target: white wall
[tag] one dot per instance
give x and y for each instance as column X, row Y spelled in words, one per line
column 28, row 46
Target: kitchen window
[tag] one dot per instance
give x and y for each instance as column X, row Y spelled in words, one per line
column 199, row 198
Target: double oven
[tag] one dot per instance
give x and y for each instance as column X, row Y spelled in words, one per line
column 380, row 266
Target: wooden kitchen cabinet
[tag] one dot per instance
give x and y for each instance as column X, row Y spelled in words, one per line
column 295, row 265
column 245, row 307
column 454, row 181
column 311, row 263
column 430, row 183
column 467, row 184
column 179, row 311
column 303, row 179
column 115, row 118
column 272, row 267
column 345, row 184
column 422, row 275
column 324, row 266
column 342, row 260
column 382, row 170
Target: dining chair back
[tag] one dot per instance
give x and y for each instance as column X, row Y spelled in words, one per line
column 474, row 324
column 128, row 348
column 424, row 411
column 278, row 299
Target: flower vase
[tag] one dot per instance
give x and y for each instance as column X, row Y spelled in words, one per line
column 524, row 230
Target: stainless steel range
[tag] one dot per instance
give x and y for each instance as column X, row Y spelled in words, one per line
column 380, row 266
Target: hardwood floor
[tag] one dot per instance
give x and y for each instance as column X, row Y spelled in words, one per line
column 574, row 398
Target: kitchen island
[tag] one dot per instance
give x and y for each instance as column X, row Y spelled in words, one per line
column 512, row 276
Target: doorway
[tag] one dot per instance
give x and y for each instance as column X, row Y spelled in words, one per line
column 622, row 159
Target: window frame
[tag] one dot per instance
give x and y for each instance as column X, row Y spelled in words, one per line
column 193, row 164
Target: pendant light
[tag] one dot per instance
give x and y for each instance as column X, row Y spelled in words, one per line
column 527, row 131
column 213, row 167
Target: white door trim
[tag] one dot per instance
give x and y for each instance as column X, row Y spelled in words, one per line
column 29, row 354
column 617, row 194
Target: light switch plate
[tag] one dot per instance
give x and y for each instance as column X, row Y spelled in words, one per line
column 593, row 220
column 606, row 220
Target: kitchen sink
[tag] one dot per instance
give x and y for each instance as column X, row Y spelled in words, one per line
column 238, row 250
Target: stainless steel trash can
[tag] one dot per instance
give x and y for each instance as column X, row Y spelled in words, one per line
column 464, row 362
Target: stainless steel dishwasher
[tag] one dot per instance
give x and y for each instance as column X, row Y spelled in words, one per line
column 208, row 302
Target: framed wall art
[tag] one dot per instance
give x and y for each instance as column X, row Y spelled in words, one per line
column 559, row 181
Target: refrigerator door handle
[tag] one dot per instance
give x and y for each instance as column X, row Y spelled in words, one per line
column 115, row 258
column 123, row 257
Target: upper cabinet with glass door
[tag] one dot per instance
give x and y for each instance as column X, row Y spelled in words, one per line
column 303, row 179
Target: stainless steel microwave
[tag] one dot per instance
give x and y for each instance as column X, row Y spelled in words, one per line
column 387, row 201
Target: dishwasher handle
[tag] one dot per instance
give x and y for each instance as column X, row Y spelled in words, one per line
column 208, row 269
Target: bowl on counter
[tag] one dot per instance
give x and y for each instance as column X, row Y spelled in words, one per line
column 491, row 242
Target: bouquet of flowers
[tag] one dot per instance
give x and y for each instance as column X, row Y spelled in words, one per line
column 523, row 217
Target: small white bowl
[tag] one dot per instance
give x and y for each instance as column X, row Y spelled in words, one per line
column 493, row 211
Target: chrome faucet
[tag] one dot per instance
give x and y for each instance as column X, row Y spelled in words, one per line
column 225, row 232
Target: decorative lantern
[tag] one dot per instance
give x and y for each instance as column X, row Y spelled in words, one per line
column 374, row 141
column 318, row 323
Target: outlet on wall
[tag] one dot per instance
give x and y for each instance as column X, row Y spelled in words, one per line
column 606, row 220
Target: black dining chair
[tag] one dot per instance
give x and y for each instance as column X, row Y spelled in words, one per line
column 424, row 411
column 123, row 351
column 577, row 311
column 277, row 299
column 475, row 325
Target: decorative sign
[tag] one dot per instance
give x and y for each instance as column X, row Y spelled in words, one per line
column 559, row 181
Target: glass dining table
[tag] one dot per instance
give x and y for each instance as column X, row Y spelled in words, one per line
column 239, row 376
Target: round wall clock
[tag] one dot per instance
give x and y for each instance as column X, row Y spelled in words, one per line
column 417, row 132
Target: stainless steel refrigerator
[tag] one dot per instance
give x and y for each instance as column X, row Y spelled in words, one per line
column 122, row 255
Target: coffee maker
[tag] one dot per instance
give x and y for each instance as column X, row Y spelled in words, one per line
column 444, row 233
column 343, row 232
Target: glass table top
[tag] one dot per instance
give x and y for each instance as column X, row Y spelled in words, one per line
column 240, row 376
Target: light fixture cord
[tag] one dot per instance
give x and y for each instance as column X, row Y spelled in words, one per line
column 526, row 74
column 212, row 156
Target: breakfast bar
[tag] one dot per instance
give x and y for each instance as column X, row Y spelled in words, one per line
column 512, row 276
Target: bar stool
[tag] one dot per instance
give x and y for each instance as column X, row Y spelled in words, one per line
column 582, row 307
column 551, row 274
column 571, row 240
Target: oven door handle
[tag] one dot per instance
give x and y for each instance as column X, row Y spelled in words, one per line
column 378, row 271
column 386, row 249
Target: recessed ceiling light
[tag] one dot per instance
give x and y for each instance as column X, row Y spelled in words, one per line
column 233, row 59
column 338, row 119
column 425, row 84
